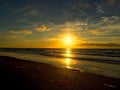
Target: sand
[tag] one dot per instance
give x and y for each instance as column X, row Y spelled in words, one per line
column 16, row 74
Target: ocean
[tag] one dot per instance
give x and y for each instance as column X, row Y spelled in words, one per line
column 98, row 61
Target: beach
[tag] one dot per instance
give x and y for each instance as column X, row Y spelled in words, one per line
column 17, row 74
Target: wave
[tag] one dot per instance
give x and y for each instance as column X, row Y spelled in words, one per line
column 111, row 56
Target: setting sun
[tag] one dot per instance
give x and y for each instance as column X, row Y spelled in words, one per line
column 68, row 40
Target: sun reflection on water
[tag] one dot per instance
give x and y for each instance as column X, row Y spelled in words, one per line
column 68, row 53
column 68, row 59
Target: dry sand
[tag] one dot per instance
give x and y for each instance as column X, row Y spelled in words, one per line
column 16, row 74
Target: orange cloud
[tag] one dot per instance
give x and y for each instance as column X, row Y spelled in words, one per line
column 42, row 28
column 95, row 32
column 21, row 32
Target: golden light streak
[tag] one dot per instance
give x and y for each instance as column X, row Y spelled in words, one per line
column 68, row 53
column 68, row 60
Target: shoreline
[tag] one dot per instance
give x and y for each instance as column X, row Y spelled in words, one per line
column 41, row 76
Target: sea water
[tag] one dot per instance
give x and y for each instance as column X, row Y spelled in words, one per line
column 98, row 61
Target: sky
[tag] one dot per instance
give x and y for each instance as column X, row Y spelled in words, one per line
column 47, row 23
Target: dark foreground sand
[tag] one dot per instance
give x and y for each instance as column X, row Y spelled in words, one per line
column 18, row 74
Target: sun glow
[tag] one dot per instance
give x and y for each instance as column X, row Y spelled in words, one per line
column 68, row 40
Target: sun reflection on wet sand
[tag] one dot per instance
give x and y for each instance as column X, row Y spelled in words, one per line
column 68, row 61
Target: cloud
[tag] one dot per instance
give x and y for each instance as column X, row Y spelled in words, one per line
column 8, row 36
column 95, row 32
column 30, row 13
column 109, row 23
column 26, row 11
column 68, row 29
column 81, row 4
column 21, row 32
column 101, row 44
column 104, row 19
column 99, row 8
column 111, row 2
column 42, row 28
column 70, row 26
column 115, row 17
column 75, row 24
column 106, row 24
column 111, row 19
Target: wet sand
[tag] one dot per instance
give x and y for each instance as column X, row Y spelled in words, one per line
column 16, row 74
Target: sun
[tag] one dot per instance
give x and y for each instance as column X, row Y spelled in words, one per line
column 68, row 40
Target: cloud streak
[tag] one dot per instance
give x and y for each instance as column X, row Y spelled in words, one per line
column 42, row 28
column 95, row 32
column 27, row 32
column 100, row 45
